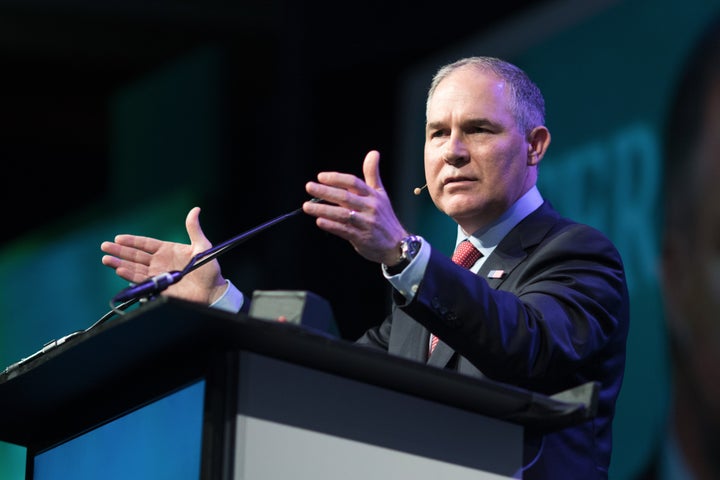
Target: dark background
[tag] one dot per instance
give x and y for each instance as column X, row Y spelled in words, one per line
column 307, row 87
column 311, row 86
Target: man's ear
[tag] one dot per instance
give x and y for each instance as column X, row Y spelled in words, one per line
column 538, row 142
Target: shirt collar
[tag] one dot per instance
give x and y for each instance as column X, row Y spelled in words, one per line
column 487, row 238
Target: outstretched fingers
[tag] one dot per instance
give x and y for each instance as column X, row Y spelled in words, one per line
column 129, row 262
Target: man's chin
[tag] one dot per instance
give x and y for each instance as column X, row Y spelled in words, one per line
column 462, row 206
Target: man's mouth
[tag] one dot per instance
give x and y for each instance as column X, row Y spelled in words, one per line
column 458, row 179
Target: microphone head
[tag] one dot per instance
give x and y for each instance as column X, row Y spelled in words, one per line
column 419, row 190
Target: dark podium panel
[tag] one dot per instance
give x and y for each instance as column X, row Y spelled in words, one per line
column 278, row 400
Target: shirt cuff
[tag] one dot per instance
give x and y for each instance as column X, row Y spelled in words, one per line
column 230, row 301
column 408, row 281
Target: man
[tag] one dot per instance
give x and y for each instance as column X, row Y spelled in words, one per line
column 691, row 268
column 544, row 307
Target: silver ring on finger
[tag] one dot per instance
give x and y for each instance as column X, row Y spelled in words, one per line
column 351, row 217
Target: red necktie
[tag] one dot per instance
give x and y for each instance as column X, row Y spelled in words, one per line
column 465, row 255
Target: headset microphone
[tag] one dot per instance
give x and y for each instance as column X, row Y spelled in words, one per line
column 419, row 189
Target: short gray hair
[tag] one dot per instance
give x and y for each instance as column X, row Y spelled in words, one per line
column 526, row 100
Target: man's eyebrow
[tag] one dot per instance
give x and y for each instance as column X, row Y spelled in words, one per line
column 478, row 121
column 434, row 125
column 467, row 121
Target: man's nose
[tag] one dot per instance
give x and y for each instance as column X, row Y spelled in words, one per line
column 456, row 153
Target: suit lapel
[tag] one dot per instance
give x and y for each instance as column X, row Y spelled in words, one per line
column 441, row 355
column 517, row 244
column 414, row 339
column 509, row 253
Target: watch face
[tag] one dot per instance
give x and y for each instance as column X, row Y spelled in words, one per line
column 410, row 247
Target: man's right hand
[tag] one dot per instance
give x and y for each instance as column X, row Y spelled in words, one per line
column 136, row 258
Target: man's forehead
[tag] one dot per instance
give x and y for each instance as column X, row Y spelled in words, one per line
column 469, row 82
column 471, row 92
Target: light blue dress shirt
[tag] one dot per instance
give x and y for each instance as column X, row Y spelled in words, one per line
column 484, row 239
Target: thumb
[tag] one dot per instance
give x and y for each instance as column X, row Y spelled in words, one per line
column 192, row 225
column 371, row 170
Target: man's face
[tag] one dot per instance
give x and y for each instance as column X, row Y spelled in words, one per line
column 477, row 162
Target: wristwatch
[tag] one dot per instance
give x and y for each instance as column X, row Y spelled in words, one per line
column 409, row 248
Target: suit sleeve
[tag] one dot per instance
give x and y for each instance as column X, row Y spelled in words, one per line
column 562, row 310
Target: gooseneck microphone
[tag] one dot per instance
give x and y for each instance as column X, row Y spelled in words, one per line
column 418, row 190
column 149, row 287
column 158, row 283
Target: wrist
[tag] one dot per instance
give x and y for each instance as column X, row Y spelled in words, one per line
column 218, row 290
column 408, row 249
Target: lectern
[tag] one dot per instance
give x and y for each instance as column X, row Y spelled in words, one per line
column 238, row 397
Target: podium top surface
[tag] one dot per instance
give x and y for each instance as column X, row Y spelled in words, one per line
column 167, row 343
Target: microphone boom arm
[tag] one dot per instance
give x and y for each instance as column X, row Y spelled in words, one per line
column 158, row 283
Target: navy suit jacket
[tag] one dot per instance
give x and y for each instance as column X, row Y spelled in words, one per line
column 556, row 318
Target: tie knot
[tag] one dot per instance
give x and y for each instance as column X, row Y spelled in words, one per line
column 466, row 254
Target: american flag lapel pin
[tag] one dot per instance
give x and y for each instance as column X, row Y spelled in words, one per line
column 496, row 273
